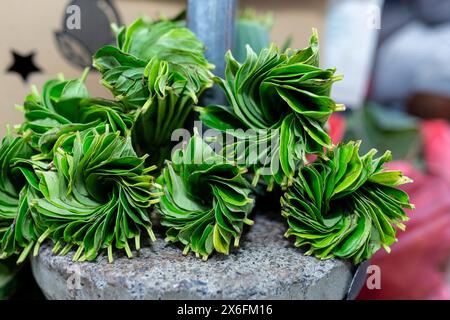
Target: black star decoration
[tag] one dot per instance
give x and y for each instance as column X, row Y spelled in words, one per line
column 23, row 65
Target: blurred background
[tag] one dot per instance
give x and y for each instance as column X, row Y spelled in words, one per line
column 394, row 55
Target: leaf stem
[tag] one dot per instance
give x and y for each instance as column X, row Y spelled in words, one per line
column 25, row 253
column 110, row 254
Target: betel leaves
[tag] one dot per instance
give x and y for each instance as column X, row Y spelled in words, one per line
column 169, row 105
column 55, row 107
column 79, row 171
column 346, row 205
column 17, row 228
column 65, row 106
column 94, row 195
column 276, row 94
column 206, row 200
column 158, row 69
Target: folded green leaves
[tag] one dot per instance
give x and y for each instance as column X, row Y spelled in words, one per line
column 281, row 94
column 94, row 195
column 166, row 110
column 82, row 184
column 160, row 70
column 17, row 228
column 206, row 200
column 58, row 106
column 65, row 106
column 346, row 205
column 60, row 112
column 70, row 179
column 165, row 40
column 73, row 174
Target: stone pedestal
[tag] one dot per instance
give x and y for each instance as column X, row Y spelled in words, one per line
column 267, row 266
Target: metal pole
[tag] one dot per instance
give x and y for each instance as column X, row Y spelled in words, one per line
column 213, row 23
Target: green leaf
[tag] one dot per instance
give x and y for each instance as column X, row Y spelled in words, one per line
column 276, row 92
column 158, row 70
column 345, row 205
column 206, row 200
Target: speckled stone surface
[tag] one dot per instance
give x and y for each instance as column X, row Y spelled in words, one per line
column 267, row 266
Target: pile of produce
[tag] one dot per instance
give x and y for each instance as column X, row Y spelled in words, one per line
column 86, row 173
column 284, row 95
column 345, row 205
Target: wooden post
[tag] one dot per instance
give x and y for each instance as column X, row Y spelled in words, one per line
column 213, row 23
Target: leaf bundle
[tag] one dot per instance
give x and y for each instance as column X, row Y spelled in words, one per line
column 79, row 170
column 93, row 195
column 276, row 96
column 346, row 205
column 159, row 69
column 206, row 200
column 16, row 230
column 65, row 106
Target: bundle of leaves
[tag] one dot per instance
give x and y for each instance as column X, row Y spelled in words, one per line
column 282, row 100
column 72, row 174
column 78, row 172
column 93, row 195
column 63, row 109
column 346, row 205
column 16, row 231
column 159, row 69
column 65, row 106
column 206, row 200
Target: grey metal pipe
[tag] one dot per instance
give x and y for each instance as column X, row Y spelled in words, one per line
column 213, row 23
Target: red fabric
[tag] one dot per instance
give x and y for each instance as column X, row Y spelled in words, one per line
column 415, row 269
column 436, row 136
column 337, row 126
